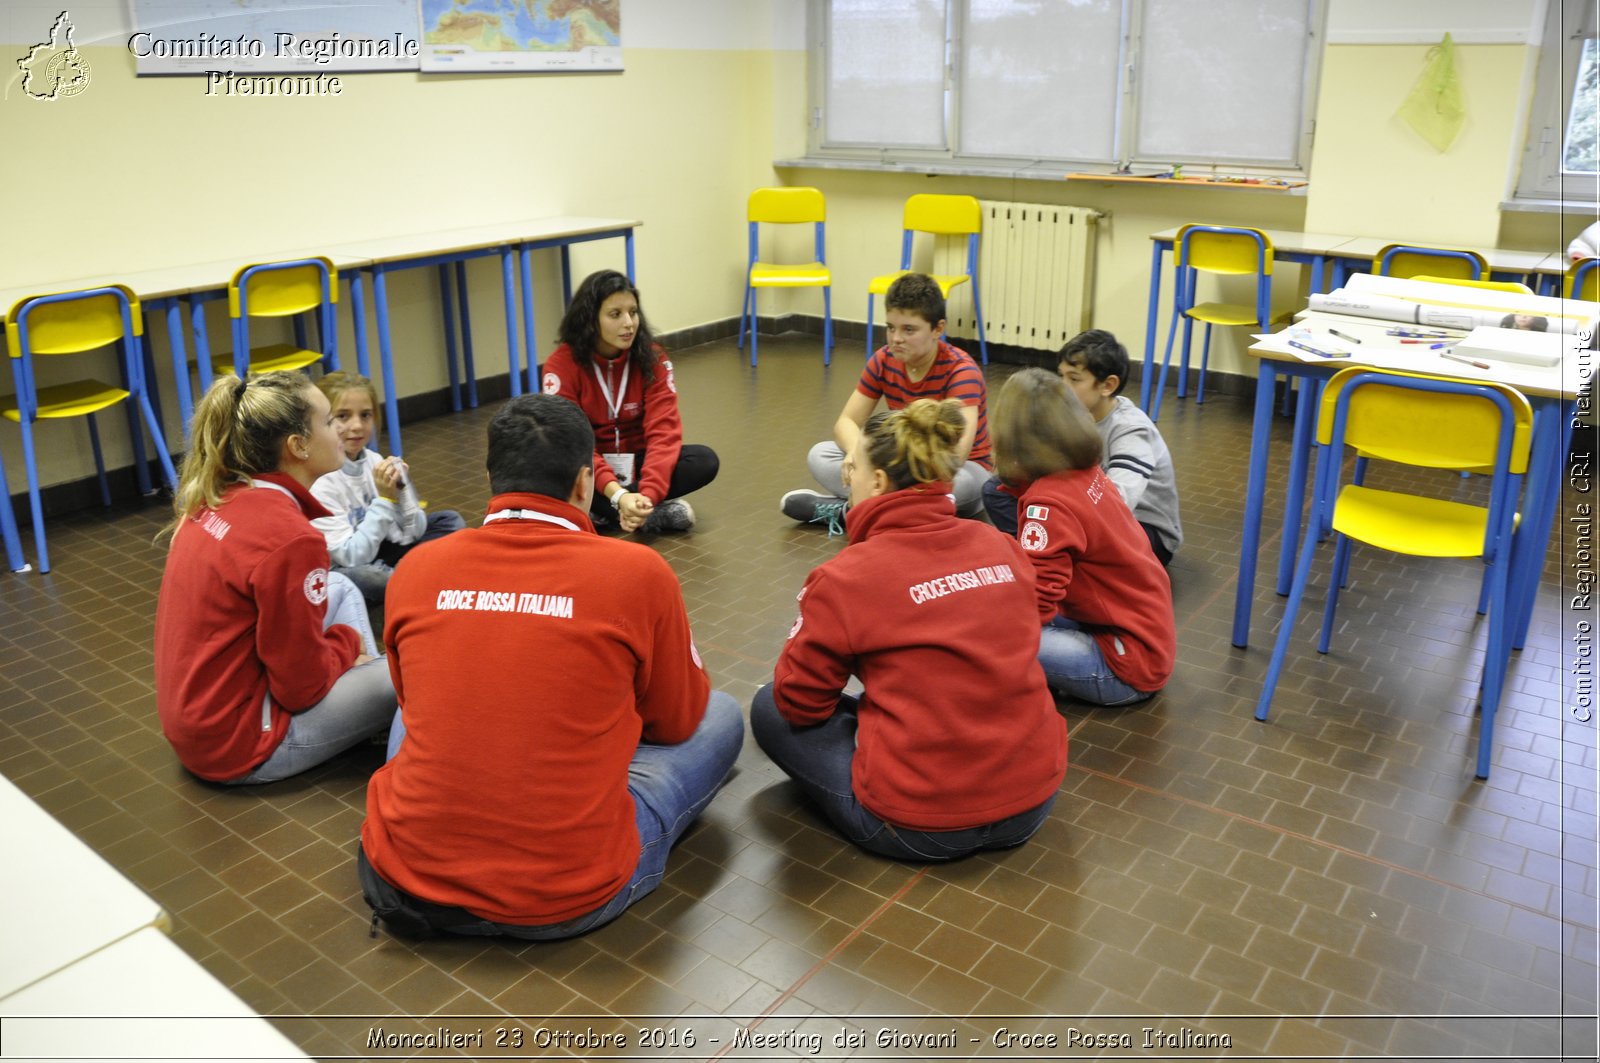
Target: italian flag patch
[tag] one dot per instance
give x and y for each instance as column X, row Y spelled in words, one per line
column 1038, row 513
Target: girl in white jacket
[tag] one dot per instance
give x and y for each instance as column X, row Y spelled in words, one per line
column 376, row 516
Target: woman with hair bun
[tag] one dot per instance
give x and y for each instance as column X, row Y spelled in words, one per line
column 954, row 745
column 265, row 662
column 1103, row 597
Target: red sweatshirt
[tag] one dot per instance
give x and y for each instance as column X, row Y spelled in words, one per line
column 243, row 600
column 529, row 656
column 1094, row 566
column 646, row 416
column 935, row 615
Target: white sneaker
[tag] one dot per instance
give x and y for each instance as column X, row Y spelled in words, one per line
column 673, row 515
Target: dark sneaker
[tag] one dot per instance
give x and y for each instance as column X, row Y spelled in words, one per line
column 673, row 515
column 815, row 507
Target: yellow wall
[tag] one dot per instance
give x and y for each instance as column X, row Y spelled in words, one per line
column 1372, row 175
column 137, row 173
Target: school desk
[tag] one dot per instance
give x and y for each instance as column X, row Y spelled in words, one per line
column 1508, row 264
column 143, row 998
column 1288, row 245
column 449, row 250
column 1552, row 391
column 65, row 901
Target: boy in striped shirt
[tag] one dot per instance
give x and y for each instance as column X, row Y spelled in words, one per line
column 915, row 363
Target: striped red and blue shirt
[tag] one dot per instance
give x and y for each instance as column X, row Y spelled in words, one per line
column 953, row 375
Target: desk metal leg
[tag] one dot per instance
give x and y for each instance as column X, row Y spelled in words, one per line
column 202, row 343
column 627, row 240
column 566, row 275
column 1305, row 419
column 1254, row 497
column 358, row 322
column 1154, row 310
column 530, row 358
column 1552, row 436
column 447, row 303
column 465, row 307
column 180, row 363
column 391, row 387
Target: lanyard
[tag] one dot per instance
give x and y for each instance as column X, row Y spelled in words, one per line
column 275, row 487
column 614, row 402
column 529, row 514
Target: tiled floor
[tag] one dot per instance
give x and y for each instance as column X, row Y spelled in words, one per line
column 1333, row 883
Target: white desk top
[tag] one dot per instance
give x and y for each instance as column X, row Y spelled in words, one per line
column 1378, row 351
column 189, row 278
column 402, row 246
column 140, row 998
column 1347, row 246
column 168, row 281
column 65, row 900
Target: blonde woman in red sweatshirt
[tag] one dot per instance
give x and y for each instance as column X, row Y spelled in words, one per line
column 954, row 745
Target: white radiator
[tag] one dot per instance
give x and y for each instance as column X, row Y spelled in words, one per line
column 1036, row 269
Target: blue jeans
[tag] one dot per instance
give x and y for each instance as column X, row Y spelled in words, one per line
column 360, row 702
column 819, row 757
column 671, row 786
column 1074, row 665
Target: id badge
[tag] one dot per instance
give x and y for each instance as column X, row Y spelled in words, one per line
column 621, row 466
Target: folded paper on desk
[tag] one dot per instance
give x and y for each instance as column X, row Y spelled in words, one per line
column 1516, row 345
column 1389, row 308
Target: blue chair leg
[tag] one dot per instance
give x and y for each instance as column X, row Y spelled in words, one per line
column 869, row 324
column 1291, row 610
column 8, row 526
column 755, row 327
column 744, row 314
column 977, row 307
column 1183, row 356
column 1341, row 567
column 1205, row 362
column 167, row 469
column 99, row 461
column 1166, row 363
column 827, row 326
column 35, row 503
column 1496, row 658
column 141, row 463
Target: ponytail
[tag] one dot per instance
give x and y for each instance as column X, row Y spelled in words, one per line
column 238, row 431
column 916, row 444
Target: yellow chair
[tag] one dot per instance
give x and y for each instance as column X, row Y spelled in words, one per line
column 1494, row 286
column 938, row 216
column 1583, row 280
column 281, row 289
column 1227, row 251
column 1408, row 260
column 73, row 323
column 787, row 206
column 1430, row 422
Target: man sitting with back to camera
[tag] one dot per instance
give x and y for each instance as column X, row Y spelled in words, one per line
column 557, row 731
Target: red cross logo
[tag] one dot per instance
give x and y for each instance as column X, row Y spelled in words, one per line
column 1033, row 536
column 316, row 586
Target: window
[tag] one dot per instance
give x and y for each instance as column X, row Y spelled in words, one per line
column 1085, row 82
column 1562, row 156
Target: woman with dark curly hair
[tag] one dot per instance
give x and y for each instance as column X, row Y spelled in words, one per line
column 610, row 365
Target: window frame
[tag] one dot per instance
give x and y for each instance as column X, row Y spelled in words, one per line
column 950, row 159
column 1540, row 176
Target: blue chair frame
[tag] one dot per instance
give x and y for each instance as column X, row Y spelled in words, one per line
column 130, row 351
column 907, row 241
column 1579, row 276
column 1496, row 549
column 1185, row 282
column 1429, row 252
column 327, row 331
column 747, row 313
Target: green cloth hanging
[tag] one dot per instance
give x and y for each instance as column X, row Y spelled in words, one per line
column 1434, row 109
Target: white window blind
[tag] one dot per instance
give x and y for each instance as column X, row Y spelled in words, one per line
column 1075, row 81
